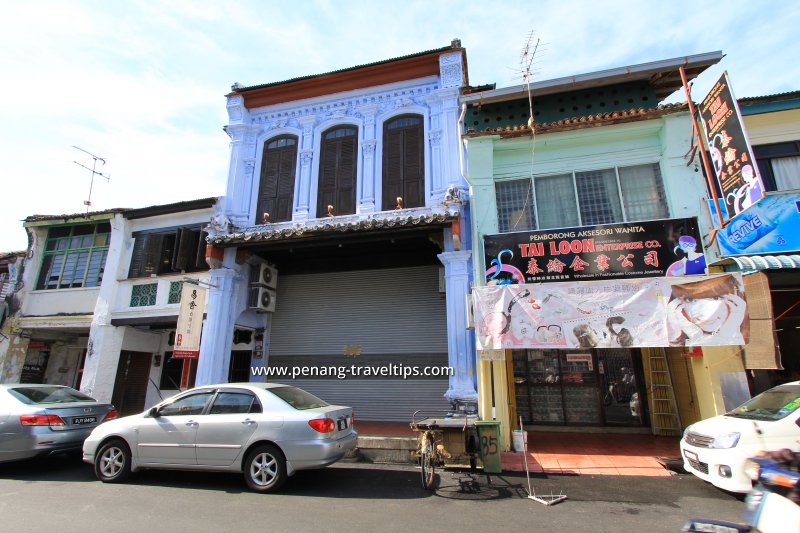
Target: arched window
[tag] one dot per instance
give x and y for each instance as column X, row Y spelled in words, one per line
column 337, row 171
column 276, row 190
column 403, row 162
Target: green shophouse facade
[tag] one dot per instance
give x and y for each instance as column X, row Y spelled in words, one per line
column 604, row 149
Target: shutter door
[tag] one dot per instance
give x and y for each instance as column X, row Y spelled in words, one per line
column 395, row 316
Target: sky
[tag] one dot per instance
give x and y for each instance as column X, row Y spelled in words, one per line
column 141, row 84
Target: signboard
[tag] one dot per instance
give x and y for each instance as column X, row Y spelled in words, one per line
column 190, row 322
column 491, row 355
column 731, row 156
column 770, row 227
column 656, row 248
column 623, row 313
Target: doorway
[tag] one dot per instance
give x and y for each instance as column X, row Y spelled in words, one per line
column 239, row 370
column 130, row 387
column 578, row 387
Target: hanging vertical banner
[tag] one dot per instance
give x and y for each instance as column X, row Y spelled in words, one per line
column 731, row 154
column 190, row 322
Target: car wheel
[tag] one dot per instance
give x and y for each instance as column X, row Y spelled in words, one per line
column 265, row 468
column 112, row 463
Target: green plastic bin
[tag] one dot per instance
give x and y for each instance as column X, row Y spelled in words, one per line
column 489, row 444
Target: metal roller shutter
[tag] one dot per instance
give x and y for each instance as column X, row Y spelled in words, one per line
column 396, row 316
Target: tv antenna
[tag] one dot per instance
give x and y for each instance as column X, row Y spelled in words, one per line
column 526, row 60
column 88, row 201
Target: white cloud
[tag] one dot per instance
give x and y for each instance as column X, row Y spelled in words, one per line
column 141, row 83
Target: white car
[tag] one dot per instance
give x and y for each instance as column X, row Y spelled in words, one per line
column 266, row 431
column 716, row 449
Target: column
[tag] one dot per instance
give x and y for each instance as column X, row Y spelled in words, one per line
column 223, row 307
column 460, row 350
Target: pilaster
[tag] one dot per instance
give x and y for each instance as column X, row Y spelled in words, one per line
column 460, row 349
column 303, row 189
column 223, row 307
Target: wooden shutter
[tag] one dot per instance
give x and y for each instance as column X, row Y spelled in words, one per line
column 403, row 162
column 278, row 168
column 200, row 257
column 185, row 249
column 146, row 255
column 337, row 172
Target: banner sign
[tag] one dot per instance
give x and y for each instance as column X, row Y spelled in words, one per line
column 623, row 313
column 731, row 155
column 770, row 227
column 655, row 248
column 190, row 322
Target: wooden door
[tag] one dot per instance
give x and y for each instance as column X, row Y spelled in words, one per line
column 130, row 387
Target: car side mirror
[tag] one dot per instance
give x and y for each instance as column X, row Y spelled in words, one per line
column 154, row 412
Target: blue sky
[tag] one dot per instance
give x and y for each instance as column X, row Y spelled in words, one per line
column 142, row 84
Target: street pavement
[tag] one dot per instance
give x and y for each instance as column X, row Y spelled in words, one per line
column 61, row 494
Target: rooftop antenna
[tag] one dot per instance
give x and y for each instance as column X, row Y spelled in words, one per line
column 88, row 202
column 526, row 60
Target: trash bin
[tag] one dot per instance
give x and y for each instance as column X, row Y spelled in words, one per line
column 489, row 438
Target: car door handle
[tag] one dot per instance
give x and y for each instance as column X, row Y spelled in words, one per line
column 248, row 422
column 192, row 423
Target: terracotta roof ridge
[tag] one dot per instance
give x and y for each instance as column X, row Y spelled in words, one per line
column 238, row 89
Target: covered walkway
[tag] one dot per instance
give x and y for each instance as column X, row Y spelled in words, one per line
column 577, row 453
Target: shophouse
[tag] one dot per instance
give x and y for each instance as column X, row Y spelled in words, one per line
column 601, row 148
column 152, row 252
column 55, row 296
column 339, row 240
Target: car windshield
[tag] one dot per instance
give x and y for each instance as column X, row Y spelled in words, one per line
column 297, row 398
column 38, row 395
column 774, row 404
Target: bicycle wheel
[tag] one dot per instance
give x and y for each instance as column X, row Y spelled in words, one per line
column 426, row 463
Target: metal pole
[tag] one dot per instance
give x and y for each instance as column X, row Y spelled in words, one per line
column 703, row 155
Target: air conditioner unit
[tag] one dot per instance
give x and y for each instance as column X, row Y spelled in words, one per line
column 263, row 275
column 262, row 299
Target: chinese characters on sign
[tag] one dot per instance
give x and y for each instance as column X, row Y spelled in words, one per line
column 190, row 322
column 731, row 155
column 630, row 250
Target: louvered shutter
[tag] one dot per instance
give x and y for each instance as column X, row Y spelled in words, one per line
column 276, row 191
column 403, row 162
column 346, row 177
column 200, row 256
column 185, row 249
column 337, row 172
column 413, row 167
column 146, row 255
column 392, row 167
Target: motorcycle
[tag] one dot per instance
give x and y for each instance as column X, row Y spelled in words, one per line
column 773, row 506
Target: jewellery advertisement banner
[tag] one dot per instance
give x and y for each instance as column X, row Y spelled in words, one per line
column 731, row 155
column 657, row 248
column 623, row 313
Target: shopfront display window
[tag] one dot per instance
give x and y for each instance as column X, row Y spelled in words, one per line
column 577, row 387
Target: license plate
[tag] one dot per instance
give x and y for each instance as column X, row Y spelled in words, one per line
column 83, row 420
column 690, row 455
column 342, row 424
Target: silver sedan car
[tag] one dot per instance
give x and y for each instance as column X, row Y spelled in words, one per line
column 46, row 419
column 266, row 431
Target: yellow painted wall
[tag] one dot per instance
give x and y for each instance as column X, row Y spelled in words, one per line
column 706, row 371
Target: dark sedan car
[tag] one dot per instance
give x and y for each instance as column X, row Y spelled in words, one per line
column 46, row 419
